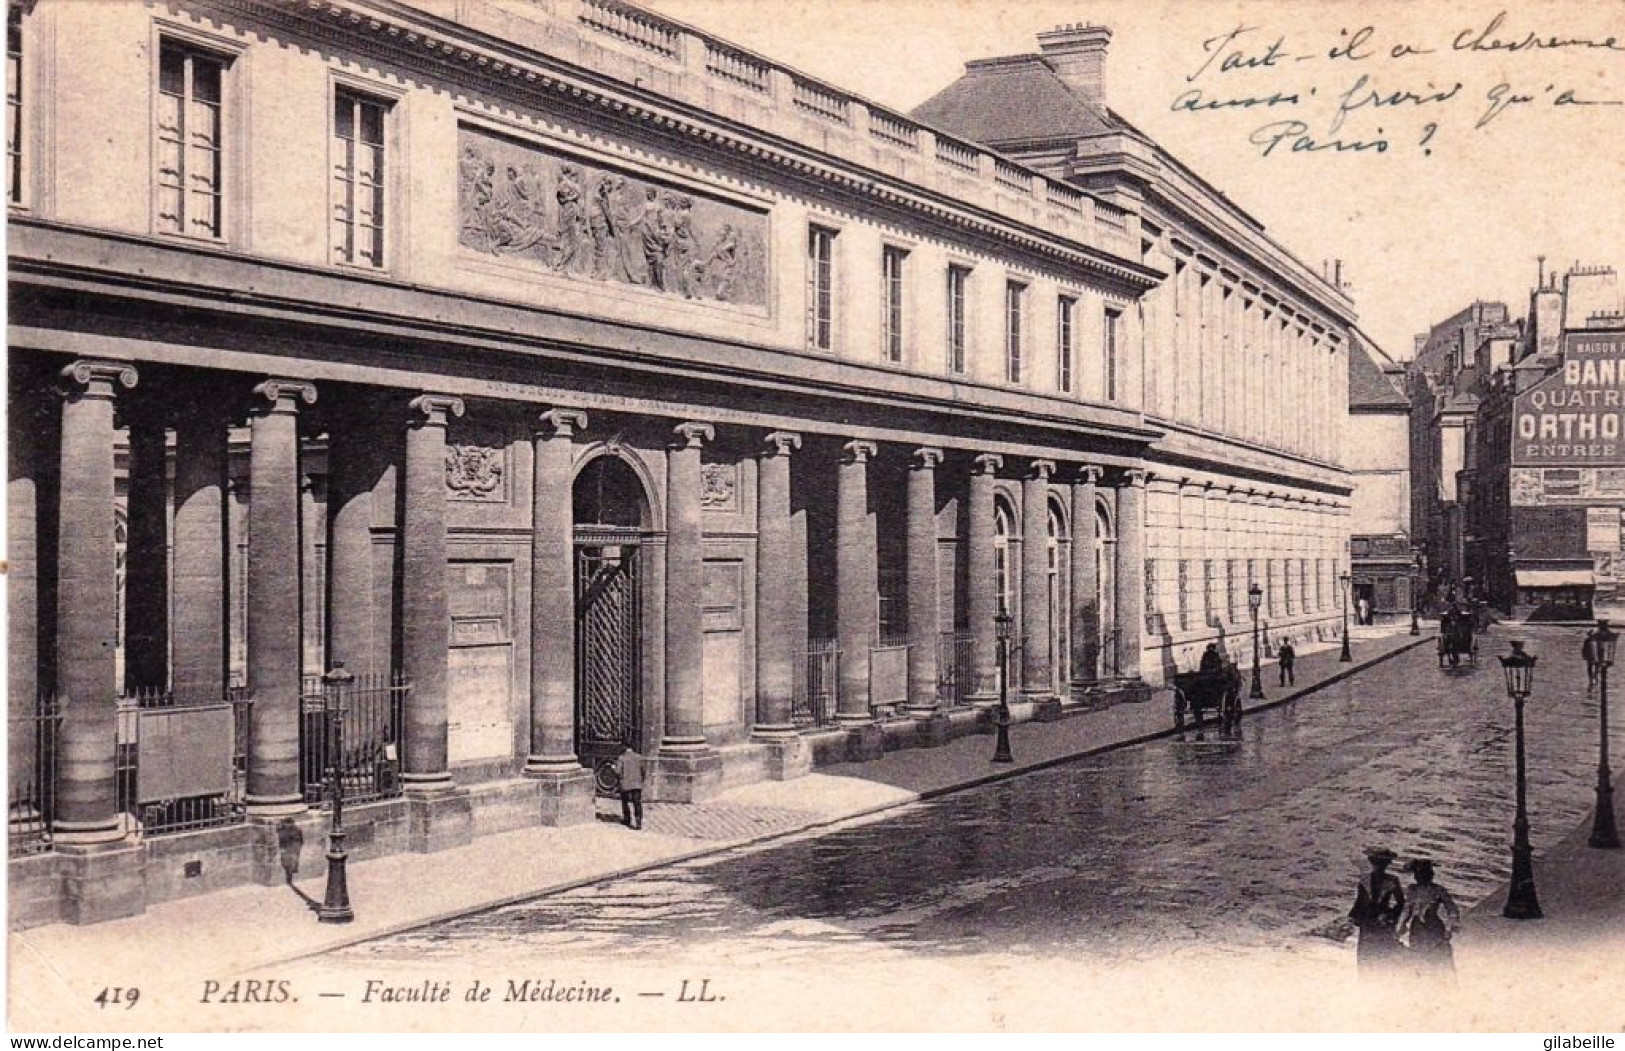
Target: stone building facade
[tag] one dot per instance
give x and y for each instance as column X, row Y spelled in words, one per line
column 577, row 380
column 1384, row 565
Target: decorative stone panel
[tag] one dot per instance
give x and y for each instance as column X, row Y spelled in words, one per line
column 477, row 466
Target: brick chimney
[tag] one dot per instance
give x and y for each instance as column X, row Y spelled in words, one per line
column 1077, row 53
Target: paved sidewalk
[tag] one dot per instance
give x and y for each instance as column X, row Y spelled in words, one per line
column 1581, row 892
column 180, row 943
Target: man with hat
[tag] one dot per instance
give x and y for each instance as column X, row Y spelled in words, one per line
column 1378, row 903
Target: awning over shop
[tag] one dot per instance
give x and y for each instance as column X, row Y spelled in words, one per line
column 1555, row 578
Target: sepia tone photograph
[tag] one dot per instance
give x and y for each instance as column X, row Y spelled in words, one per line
column 814, row 515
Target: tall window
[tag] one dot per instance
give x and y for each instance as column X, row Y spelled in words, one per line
column 1015, row 295
column 958, row 279
column 820, row 288
column 891, row 298
column 14, row 105
column 358, row 178
column 1114, row 319
column 190, row 125
column 1064, row 309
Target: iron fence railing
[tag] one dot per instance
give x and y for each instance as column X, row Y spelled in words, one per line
column 363, row 744
column 955, row 671
column 818, row 689
column 31, row 780
column 180, row 763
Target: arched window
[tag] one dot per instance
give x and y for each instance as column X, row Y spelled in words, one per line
column 1060, row 599
column 1004, row 583
column 1105, row 556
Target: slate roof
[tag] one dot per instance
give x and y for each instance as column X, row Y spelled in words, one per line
column 1371, row 384
column 1014, row 99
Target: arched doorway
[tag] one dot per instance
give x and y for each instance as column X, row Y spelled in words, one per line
column 1060, row 602
column 1105, row 594
column 611, row 518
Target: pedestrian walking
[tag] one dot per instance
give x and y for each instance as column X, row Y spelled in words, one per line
column 629, row 777
column 1286, row 656
column 1588, row 652
column 1363, row 606
column 1378, row 904
column 1429, row 921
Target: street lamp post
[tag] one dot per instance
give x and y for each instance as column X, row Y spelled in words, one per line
column 1001, row 714
column 1255, row 599
column 1416, row 596
column 1345, row 657
column 1522, row 904
column 335, row 907
column 1604, row 834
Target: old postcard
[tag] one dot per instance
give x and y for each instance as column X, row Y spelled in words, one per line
column 561, row 515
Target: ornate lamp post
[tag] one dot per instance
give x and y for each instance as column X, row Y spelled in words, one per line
column 1521, row 901
column 1255, row 599
column 1001, row 715
column 1416, row 596
column 1604, row 834
column 335, row 907
column 1345, row 657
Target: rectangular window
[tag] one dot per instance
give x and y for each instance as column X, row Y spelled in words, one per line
column 1015, row 294
column 958, row 280
column 1064, row 310
column 1108, row 356
column 358, row 178
column 1183, row 597
column 820, row 288
column 1286, row 585
column 891, row 298
column 191, row 166
column 14, row 105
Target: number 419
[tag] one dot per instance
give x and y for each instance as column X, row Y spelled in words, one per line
column 110, row 997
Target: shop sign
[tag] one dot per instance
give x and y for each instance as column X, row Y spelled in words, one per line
column 1577, row 414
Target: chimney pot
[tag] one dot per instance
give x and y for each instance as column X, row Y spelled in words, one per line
column 1077, row 54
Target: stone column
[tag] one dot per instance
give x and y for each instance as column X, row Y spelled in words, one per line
column 1085, row 611
column 780, row 641
column 1037, row 671
column 146, row 562
column 781, row 611
column 200, row 554
column 924, row 602
column 352, row 473
column 566, row 785
column 857, row 582
column 87, row 607
column 982, row 603
column 689, row 769
column 274, row 642
column 439, row 815
column 1130, row 572
column 31, row 437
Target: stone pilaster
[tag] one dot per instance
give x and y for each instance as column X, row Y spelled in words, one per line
column 87, row 604
column 352, row 452
column 781, row 619
column 200, row 554
column 146, row 563
column 689, row 769
column 982, row 601
column 274, row 637
column 1037, row 674
column 566, row 786
column 1085, row 582
column 439, row 815
column 31, row 432
column 1130, row 572
column 857, row 582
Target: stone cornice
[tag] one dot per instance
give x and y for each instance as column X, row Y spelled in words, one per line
column 412, row 39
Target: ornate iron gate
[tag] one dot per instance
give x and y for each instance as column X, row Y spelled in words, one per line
column 608, row 652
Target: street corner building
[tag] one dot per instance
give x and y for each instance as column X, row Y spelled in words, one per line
column 428, row 400
column 1517, row 450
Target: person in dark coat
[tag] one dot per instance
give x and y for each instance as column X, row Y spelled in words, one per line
column 1588, row 653
column 1211, row 659
column 629, row 777
column 1287, row 656
column 1378, row 904
column 1429, row 921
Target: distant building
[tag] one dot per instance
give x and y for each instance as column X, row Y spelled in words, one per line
column 1383, row 562
column 1517, row 449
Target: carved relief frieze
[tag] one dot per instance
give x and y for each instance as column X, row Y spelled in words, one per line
column 477, row 466
column 518, row 201
column 719, row 486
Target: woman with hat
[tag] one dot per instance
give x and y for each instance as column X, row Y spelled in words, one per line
column 1430, row 918
column 1378, row 903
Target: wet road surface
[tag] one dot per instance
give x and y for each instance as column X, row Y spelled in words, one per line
column 1168, row 847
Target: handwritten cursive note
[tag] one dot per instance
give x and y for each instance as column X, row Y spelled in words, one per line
column 1372, row 89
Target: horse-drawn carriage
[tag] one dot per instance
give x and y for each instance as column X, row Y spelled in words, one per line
column 1218, row 689
column 1456, row 638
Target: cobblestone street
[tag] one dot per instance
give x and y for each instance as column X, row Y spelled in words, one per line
column 1179, row 845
